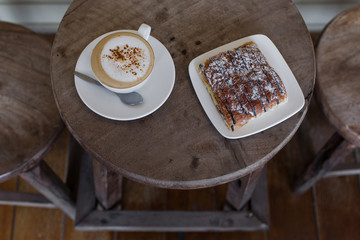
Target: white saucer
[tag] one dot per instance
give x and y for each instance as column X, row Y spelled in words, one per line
column 267, row 120
column 155, row 92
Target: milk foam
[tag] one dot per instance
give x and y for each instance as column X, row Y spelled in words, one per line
column 125, row 58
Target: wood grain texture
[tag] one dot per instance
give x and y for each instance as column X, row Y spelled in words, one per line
column 29, row 118
column 193, row 153
column 338, row 85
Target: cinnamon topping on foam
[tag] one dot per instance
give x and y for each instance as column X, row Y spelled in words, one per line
column 242, row 84
column 131, row 58
column 126, row 58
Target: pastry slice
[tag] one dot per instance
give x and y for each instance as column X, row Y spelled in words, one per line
column 242, row 84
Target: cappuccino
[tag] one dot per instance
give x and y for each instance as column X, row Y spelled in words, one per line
column 122, row 60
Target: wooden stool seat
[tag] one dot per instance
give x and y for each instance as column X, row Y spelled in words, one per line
column 338, row 81
column 337, row 89
column 29, row 118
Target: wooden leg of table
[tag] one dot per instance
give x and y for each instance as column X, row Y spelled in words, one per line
column 239, row 192
column 43, row 179
column 260, row 199
column 74, row 156
column 335, row 150
column 108, row 186
column 86, row 199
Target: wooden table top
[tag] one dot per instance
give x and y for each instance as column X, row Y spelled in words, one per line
column 338, row 81
column 29, row 118
column 177, row 146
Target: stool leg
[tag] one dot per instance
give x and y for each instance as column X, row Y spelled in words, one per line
column 329, row 156
column 108, row 185
column 239, row 192
column 43, row 179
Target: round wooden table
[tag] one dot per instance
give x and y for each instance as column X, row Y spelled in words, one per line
column 177, row 146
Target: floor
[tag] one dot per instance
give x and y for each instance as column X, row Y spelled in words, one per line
column 330, row 210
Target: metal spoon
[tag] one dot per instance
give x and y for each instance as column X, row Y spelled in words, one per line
column 132, row 98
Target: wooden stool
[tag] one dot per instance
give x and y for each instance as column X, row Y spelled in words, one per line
column 29, row 118
column 337, row 90
column 176, row 147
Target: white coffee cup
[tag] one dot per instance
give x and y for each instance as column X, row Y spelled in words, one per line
column 123, row 61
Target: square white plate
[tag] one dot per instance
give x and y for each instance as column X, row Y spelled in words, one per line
column 266, row 120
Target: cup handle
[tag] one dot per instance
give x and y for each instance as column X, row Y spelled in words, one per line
column 144, row 31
